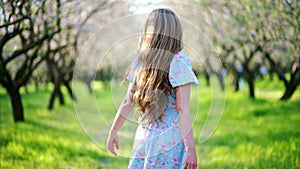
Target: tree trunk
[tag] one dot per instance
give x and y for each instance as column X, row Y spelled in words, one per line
column 51, row 101
column 206, row 75
column 291, row 88
column 235, row 83
column 36, row 85
column 89, row 85
column 60, row 96
column 271, row 76
column 221, row 81
column 288, row 93
column 56, row 92
column 250, row 81
column 16, row 103
column 70, row 90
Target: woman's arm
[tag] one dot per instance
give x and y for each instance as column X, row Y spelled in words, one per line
column 123, row 112
column 182, row 106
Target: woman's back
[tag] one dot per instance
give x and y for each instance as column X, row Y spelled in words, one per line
column 161, row 142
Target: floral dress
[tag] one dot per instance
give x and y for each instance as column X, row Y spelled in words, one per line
column 161, row 145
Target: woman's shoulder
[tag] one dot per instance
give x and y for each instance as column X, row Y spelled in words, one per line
column 181, row 54
column 182, row 58
column 181, row 71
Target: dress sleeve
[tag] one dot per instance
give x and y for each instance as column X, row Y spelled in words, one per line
column 181, row 72
column 134, row 68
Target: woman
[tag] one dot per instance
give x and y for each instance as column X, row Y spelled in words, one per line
column 160, row 89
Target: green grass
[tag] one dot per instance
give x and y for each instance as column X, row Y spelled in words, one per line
column 261, row 133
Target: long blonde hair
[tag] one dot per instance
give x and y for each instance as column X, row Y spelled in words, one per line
column 159, row 42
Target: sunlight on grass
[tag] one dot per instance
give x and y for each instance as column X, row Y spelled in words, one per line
column 261, row 133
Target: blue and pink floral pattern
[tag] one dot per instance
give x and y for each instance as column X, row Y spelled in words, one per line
column 161, row 145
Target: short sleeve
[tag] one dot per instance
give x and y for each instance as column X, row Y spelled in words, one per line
column 134, row 68
column 181, row 71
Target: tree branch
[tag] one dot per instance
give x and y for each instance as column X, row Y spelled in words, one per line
column 28, row 47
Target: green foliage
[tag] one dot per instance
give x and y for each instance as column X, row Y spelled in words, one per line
column 261, row 133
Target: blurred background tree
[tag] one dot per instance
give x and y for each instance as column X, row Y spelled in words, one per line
column 252, row 38
column 27, row 31
column 47, row 33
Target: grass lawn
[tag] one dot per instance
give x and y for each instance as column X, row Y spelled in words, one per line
column 262, row 133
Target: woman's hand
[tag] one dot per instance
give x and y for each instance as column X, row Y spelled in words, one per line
column 123, row 112
column 113, row 140
column 190, row 159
